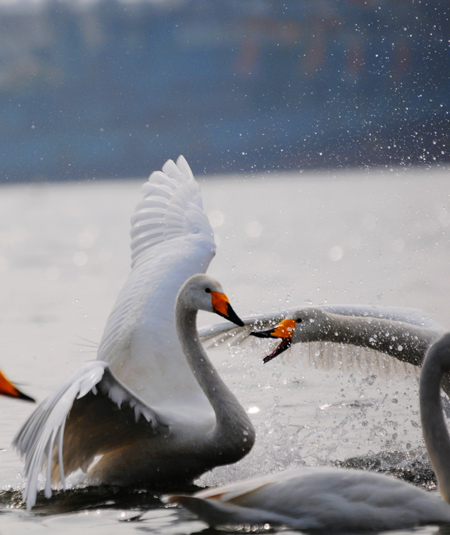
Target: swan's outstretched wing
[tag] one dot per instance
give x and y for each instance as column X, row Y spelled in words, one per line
column 375, row 340
column 106, row 408
column 318, row 498
column 220, row 333
column 171, row 240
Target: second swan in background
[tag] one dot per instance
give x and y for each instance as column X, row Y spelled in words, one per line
column 338, row 500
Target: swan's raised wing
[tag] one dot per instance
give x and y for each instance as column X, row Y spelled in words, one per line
column 93, row 396
column 171, row 240
column 215, row 335
column 171, row 208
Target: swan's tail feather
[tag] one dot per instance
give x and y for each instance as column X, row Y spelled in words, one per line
column 40, row 439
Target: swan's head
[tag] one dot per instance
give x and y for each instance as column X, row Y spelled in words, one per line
column 202, row 292
column 284, row 331
column 306, row 325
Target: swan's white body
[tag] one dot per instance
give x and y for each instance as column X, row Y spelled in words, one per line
column 335, row 499
column 402, row 333
column 139, row 406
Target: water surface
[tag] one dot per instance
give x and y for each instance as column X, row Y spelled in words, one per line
column 378, row 237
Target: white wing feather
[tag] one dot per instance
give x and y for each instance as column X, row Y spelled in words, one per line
column 44, row 429
column 171, row 207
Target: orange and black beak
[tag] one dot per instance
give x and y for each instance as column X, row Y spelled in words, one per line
column 8, row 389
column 284, row 330
column 221, row 306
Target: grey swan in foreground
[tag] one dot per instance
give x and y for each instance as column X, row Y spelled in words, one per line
column 334, row 499
column 8, row 389
column 122, row 417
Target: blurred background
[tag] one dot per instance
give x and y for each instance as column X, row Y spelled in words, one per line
column 111, row 88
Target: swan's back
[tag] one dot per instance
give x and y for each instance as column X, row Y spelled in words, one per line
column 319, row 498
column 171, row 240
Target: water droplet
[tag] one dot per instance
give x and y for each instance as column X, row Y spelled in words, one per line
column 80, row 258
column 336, row 253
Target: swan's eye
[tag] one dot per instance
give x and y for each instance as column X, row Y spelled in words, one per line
column 298, row 320
column 208, row 290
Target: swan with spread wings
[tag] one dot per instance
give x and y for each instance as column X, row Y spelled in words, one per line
column 142, row 414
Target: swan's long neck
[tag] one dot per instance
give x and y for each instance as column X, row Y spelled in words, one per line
column 403, row 341
column 233, row 435
column 434, row 427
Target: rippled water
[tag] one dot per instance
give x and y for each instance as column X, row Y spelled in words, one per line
column 351, row 237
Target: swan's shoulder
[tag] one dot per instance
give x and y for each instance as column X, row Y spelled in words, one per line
column 91, row 394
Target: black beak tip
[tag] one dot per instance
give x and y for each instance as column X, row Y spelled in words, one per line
column 261, row 334
column 233, row 317
column 23, row 396
column 19, row 395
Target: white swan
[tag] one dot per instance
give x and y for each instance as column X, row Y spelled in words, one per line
column 8, row 389
column 140, row 444
column 141, row 368
column 403, row 333
column 334, row 499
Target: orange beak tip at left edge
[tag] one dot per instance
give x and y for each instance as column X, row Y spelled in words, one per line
column 8, row 389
